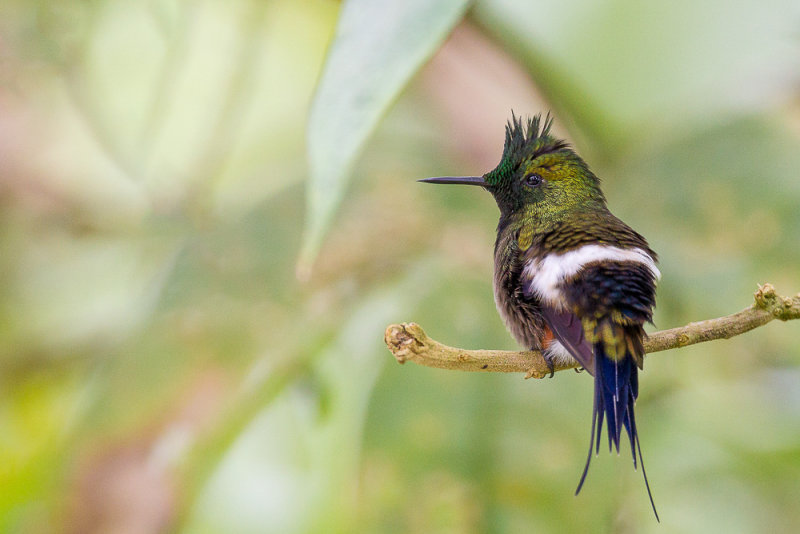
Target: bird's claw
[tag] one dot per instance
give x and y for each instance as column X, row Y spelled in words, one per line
column 579, row 369
column 548, row 359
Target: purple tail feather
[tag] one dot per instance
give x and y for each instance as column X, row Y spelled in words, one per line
column 616, row 387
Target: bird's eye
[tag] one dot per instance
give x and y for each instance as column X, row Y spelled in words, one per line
column 533, row 180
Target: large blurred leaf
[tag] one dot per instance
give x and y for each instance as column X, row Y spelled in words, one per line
column 378, row 46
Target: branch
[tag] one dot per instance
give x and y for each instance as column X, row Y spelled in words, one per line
column 408, row 342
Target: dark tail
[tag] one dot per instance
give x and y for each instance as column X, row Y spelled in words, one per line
column 616, row 387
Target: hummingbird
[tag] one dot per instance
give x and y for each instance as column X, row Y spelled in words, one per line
column 570, row 279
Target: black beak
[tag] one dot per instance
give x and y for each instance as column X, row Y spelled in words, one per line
column 463, row 180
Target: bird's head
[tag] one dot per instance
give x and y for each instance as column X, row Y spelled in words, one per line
column 539, row 176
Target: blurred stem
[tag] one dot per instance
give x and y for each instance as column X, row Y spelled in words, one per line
column 408, row 342
column 176, row 37
column 225, row 131
column 73, row 66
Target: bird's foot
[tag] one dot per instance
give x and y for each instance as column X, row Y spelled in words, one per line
column 548, row 359
column 579, row 369
column 536, row 370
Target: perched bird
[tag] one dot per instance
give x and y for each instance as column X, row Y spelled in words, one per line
column 570, row 278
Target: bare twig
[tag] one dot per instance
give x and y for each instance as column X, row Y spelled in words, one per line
column 408, row 342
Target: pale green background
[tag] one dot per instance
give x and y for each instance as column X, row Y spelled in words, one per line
column 163, row 368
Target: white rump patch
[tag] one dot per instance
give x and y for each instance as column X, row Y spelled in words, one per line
column 547, row 274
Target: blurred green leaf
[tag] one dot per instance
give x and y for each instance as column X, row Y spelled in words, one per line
column 306, row 442
column 377, row 48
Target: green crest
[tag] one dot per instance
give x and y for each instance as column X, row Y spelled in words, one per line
column 524, row 140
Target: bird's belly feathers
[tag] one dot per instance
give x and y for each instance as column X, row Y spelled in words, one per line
column 521, row 315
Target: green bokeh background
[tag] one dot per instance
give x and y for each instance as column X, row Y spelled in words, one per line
column 164, row 369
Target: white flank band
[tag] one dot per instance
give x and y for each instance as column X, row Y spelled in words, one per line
column 546, row 274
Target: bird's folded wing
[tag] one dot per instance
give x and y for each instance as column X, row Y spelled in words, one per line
column 568, row 330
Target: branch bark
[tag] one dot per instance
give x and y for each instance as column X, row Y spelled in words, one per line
column 408, row 342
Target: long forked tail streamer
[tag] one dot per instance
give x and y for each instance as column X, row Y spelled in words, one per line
column 617, row 398
column 596, row 413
